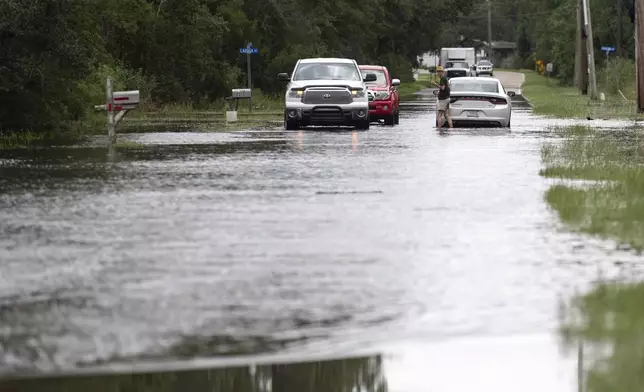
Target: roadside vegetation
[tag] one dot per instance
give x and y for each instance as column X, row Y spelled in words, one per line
column 186, row 54
column 550, row 97
column 609, row 204
column 612, row 205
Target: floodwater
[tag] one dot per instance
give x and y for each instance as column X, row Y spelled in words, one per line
column 398, row 259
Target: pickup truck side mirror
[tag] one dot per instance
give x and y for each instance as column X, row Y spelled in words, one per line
column 283, row 77
column 395, row 82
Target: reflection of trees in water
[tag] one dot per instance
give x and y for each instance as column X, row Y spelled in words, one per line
column 349, row 375
column 611, row 317
column 359, row 374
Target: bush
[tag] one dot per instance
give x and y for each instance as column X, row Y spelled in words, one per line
column 617, row 74
column 94, row 86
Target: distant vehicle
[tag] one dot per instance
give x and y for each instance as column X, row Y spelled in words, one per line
column 458, row 61
column 327, row 92
column 456, row 69
column 384, row 98
column 484, row 67
column 479, row 102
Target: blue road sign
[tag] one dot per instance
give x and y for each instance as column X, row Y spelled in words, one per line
column 608, row 49
column 249, row 49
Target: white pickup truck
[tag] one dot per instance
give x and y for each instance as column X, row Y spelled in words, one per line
column 326, row 91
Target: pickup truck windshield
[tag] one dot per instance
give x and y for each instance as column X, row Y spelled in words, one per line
column 327, row 71
column 457, row 65
column 382, row 79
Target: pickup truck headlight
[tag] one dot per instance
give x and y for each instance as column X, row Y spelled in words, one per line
column 358, row 93
column 295, row 93
column 382, row 95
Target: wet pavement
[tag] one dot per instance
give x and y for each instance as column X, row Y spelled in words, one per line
column 431, row 256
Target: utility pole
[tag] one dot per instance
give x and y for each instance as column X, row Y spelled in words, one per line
column 489, row 30
column 639, row 53
column 581, row 55
column 618, row 44
column 591, row 51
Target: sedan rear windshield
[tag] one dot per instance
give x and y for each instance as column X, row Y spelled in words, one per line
column 483, row 87
column 327, row 71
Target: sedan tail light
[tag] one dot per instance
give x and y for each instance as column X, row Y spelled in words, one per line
column 498, row 101
column 492, row 100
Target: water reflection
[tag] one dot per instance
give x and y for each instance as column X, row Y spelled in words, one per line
column 609, row 322
column 342, row 375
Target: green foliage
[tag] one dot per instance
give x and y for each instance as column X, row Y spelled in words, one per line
column 55, row 54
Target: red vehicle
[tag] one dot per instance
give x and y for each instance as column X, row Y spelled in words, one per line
column 384, row 98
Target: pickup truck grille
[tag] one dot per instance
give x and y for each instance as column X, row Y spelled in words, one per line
column 327, row 96
column 328, row 115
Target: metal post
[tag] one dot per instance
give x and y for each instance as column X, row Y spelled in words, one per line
column 618, row 49
column 489, row 30
column 250, row 100
column 583, row 53
column 111, row 125
column 591, row 51
column 639, row 53
column 608, row 69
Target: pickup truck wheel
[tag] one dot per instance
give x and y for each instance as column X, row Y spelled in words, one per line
column 390, row 120
column 362, row 125
column 290, row 124
column 396, row 118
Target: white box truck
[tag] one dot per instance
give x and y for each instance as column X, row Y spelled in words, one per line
column 458, row 61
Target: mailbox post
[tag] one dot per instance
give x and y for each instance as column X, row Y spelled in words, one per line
column 121, row 101
column 233, row 102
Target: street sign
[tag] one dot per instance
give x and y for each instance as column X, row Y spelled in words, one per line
column 608, row 49
column 248, row 49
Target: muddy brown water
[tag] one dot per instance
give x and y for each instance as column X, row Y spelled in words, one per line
column 309, row 253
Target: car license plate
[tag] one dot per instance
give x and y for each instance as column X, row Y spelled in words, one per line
column 472, row 114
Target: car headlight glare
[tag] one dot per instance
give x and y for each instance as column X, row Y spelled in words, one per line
column 295, row 93
column 358, row 93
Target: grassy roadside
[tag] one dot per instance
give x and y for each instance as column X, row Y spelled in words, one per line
column 609, row 318
column 612, row 206
column 549, row 98
column 267, row 109
column 407, row 90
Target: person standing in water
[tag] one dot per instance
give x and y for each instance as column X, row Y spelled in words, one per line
column 442, row 106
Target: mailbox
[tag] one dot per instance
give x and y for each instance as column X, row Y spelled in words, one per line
column 241, row 93
column 126, row 100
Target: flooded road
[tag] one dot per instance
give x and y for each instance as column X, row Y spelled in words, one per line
column 204, row 249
